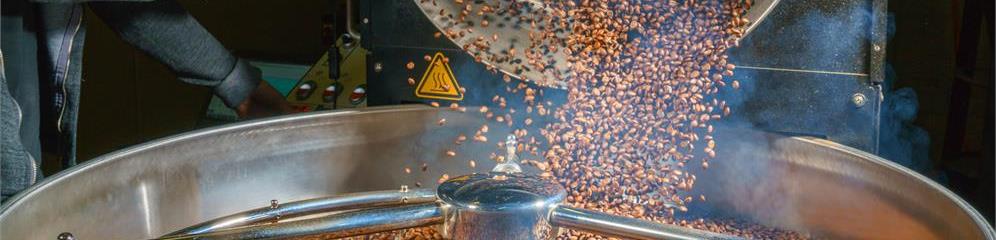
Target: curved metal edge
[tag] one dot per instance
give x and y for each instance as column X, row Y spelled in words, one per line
column 981, row 221
column 486, row 62
column 353, row 201
column 16, row 200
column 563, row 85
column 764, row 14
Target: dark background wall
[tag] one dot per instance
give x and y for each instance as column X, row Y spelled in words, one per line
column 923, row 56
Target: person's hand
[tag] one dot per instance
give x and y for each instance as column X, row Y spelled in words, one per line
column 265, row 101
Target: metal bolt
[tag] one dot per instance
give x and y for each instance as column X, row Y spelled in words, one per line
column 378, row 67
column 858, row 99
column 66, row 236
column 274, row 204
column 510, row 163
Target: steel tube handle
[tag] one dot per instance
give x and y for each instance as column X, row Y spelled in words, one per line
column 618, row 226
column 337, row 225
column 350, row 14
column 313, row 206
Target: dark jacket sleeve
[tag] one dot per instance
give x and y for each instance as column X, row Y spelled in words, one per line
column 167, row 32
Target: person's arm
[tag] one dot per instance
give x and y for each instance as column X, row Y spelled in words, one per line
column 167, row 32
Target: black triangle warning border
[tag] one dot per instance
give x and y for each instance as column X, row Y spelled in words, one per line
column 439, row 57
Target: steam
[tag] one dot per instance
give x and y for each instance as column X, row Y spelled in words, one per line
column 830, row 39
column 899, row 139
column 744, row 179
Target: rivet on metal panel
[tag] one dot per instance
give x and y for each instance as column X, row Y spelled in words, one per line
column 66, row 236
column 858, row 99
column 274, row 204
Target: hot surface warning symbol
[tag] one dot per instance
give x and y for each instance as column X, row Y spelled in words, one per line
column 438, row 81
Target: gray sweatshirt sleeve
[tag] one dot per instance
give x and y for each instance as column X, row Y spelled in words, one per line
column 167, row 32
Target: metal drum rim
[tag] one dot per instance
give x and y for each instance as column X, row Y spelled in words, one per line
column 16, row 200
column 5, row 210
column 763, row 14
column 981, row 223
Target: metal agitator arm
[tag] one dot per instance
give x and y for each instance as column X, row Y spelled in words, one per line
column 502, row 204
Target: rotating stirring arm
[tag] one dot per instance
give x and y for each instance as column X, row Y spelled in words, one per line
column 391, row 210
column 335, row 226
column 631, row 228
column 312, row 206
column 502, row 204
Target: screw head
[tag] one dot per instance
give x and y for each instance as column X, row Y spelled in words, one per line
column 859, row 99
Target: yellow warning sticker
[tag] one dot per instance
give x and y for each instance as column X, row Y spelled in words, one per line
column 438, row 82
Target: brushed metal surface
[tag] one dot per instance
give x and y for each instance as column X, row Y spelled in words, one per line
column 149, row 190
column 828, row 189
column 514, row 34
column 152, row 189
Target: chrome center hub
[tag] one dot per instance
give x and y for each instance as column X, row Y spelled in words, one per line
column 499, row 206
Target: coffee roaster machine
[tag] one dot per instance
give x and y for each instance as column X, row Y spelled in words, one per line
column 340, row 173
